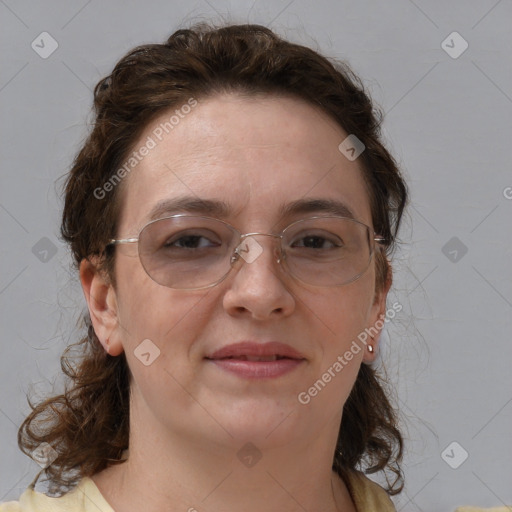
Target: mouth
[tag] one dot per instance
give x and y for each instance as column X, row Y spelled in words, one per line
column 255, row 359
column 250, row 360
column 254, row 351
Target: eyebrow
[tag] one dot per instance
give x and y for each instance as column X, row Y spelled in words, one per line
column 314, row 205
column 190, row 204
column 222, row 210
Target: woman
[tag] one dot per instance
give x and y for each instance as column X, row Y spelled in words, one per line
column 231, row 216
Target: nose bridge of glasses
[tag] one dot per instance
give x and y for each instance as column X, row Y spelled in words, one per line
column 245, row 235
column 249, row 249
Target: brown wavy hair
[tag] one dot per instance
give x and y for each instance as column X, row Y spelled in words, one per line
column 88, row 424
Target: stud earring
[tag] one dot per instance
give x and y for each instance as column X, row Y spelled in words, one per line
column 370, row 349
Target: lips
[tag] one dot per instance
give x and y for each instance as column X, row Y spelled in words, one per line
column 251, row 351
column 256, row 358
column 250, row 360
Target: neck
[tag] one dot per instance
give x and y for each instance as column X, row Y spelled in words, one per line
column 183, row 472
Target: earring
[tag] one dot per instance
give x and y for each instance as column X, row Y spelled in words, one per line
column 370, row 349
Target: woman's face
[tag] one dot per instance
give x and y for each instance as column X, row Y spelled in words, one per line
column 256, row 155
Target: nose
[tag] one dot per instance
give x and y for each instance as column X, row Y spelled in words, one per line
column 258, row 284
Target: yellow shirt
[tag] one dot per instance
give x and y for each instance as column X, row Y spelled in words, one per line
column 86, row 497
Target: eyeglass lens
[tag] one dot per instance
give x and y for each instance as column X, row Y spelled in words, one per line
column 190, row 252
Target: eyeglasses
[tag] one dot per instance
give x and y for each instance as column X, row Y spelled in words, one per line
column 192, row 252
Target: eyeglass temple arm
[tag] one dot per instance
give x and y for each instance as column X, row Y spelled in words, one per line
column 113, row 241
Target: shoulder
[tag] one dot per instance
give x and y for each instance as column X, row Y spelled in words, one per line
column 367, row 495
column 10, row 506
column 83, row 498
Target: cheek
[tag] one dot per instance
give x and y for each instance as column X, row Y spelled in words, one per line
column 346, row 312
column 147, row 310
column 342, row 316
column 159, row 333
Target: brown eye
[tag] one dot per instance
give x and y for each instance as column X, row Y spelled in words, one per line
column 317, row 241
column 191, row 242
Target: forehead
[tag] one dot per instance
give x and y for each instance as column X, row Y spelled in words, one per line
column 256, row 155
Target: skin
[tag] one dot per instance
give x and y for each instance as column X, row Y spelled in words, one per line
column 189, row 418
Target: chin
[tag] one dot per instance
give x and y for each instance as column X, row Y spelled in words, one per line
column 261, row 421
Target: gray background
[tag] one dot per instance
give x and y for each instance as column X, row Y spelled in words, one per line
column 449, row 123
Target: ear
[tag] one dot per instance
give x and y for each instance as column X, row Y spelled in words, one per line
column 378, row 310
column 102, row 303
